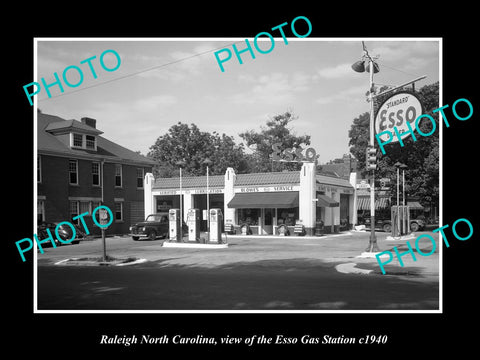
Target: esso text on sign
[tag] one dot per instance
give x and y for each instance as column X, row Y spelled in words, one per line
column 293, row 155
column 396, row 111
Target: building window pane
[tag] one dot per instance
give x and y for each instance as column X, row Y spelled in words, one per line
column 85, row 207
column 96, row 173
column 74, row 210
column 90, row 142
column 287, row 216
column 248, row 216
column 139, row 178
column 118, row 175
column 40, row 211
column 78, row 140
column 39, row 169
column 118, row 211
column 73, row 172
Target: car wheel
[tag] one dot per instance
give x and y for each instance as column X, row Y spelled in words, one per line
column 152, row 235
column 135, row 238
column 387, row 227
column 414, row 226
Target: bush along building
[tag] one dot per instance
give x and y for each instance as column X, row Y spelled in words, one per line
column 77, row 168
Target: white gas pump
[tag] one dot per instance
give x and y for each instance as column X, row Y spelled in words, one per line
column 216, row 220
column 174, row 224
column 193, row 222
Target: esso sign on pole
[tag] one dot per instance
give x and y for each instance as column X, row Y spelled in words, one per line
column 395, row 112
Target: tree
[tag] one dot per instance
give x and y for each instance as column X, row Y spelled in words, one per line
column 184, row 143
column 227, row 154
column 420, row 156
column 276, row 131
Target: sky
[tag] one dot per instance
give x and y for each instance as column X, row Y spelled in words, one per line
column 163, row 81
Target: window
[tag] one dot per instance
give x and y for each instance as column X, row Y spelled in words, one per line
column 287, row 216
column 90, row 142
column 78, row 140
column 73, row 172
column 39, row 169
column 81, row 141
column 74, row 211
column 248, row 216
column 139, row 178
column 85, row 207
column 118, row 175
column 40, row 211
column 119, row 211
column 95, row 174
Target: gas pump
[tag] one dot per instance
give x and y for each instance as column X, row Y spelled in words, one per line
column 174, row 224
column 193, row 222
column 216, row 220
column 400, row 220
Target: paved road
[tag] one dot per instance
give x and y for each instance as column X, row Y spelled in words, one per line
column 252, row 274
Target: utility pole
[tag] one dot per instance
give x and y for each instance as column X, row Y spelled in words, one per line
column 372, row 245
column 104, row 243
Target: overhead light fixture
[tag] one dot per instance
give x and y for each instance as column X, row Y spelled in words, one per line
column 359, row 66
column 376, row 68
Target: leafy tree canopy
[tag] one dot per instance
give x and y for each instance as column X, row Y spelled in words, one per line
column 276, row 131
column 188, row 145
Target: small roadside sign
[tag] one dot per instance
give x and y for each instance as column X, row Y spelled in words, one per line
column 103, row 216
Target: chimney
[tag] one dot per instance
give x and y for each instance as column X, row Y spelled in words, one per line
column 89, row 121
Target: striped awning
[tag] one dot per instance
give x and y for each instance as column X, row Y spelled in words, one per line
column 363, row 203
column 414, row 205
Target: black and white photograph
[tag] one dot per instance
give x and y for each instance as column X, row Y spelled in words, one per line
column 233, row 189
column 243, row 183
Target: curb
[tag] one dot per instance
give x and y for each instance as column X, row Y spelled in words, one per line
column 80, row 262
column 194, row 245
column 291, row 237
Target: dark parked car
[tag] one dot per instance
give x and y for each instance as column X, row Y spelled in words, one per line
column 153, row 226
column 64, row 231
column 386, row 224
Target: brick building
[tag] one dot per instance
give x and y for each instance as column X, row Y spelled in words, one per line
column 76, row 168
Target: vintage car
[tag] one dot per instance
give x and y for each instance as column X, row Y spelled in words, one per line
column 64, row 232
column 386, row 224
column 153, row 226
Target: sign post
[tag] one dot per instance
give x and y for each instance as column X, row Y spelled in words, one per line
column 103, row 217
column 372, row 244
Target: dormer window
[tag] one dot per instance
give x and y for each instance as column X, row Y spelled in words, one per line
column 83, row 141
column 78, row 140
column 91, row 142
column 76, row 134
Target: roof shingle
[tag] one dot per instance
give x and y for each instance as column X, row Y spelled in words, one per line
column 51, row 144
column 254, row 179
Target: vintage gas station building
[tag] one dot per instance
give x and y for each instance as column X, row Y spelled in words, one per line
column 263, row 201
